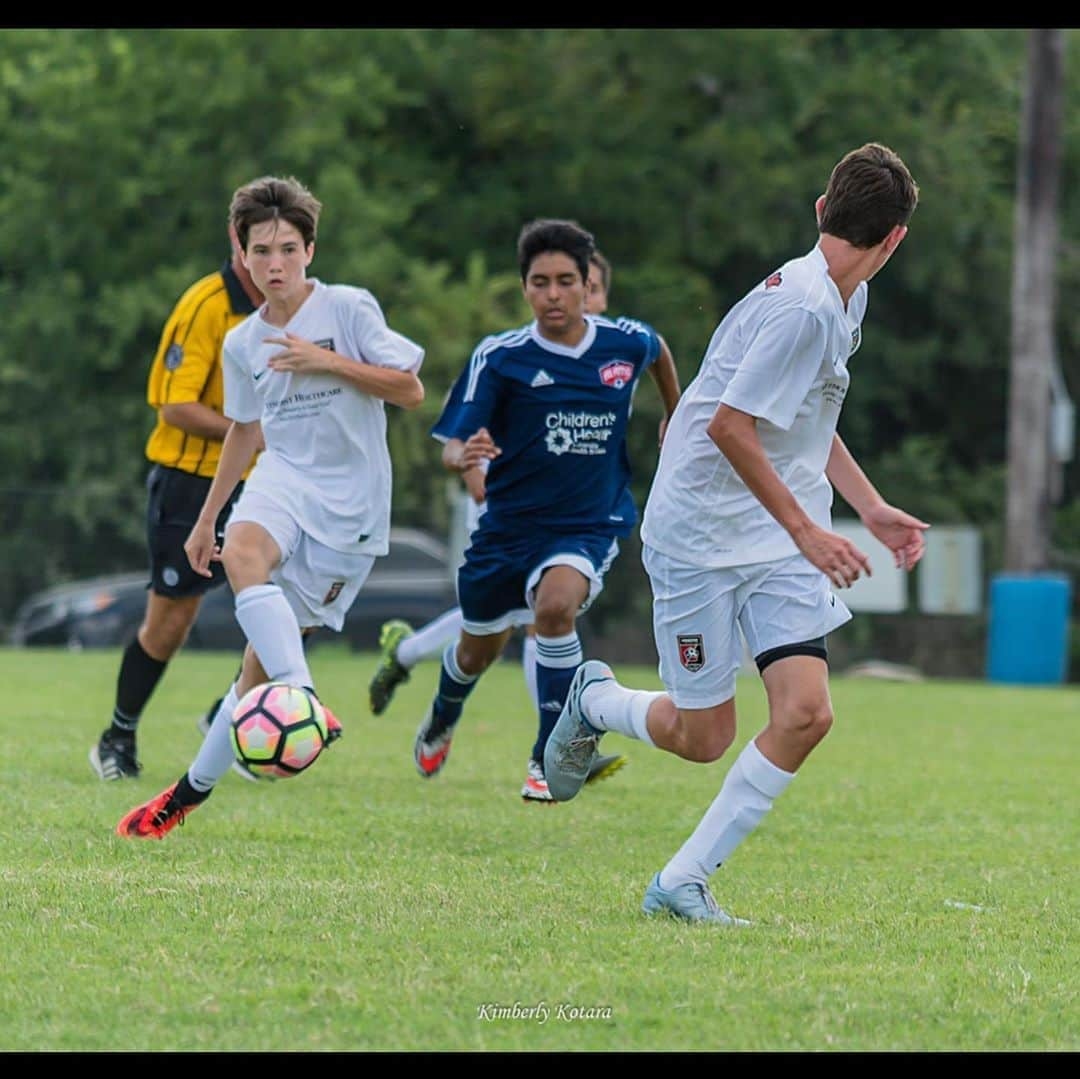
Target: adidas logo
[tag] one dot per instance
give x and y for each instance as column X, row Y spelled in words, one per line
column 542, row 378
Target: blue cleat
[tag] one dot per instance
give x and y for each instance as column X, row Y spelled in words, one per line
column 571, row 748
column 692, row 902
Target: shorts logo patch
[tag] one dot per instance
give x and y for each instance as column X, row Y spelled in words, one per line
column 174, row 356
column 170, row 576
column 335, row 591
column 691, row 651
column 616, row 374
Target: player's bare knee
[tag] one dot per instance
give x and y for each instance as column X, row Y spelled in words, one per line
column 554, row 616
column 808, row 721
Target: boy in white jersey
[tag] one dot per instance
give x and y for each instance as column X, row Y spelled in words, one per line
column 737, row 533
column 310, row 371
column 403, row 647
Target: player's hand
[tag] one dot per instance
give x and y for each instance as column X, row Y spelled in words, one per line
column 478, row 448
column 837, row 557
column 899, row 531
column 475, row 485
column 202, row 548
column 299, row 355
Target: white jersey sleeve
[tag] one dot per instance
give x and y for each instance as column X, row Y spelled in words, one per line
column 241, row 403
column 379, row 345
column 778, row 368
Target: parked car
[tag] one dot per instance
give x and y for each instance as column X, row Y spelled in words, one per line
column 413, row 581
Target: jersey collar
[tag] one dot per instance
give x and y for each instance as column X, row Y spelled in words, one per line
column 239, row 300
column 578, row 350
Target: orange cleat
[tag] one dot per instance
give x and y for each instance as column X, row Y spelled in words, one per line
column 155, row 818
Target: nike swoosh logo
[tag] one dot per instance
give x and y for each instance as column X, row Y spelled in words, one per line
column 260, row 374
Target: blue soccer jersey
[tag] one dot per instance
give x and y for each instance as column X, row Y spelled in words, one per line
column 559, row 416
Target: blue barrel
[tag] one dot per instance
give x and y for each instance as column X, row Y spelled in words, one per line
column 1029, row 628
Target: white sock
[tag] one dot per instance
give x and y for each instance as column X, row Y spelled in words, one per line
column 272, row 630
column 528, row 668
column 611, row 707
column 215, row 755
column 750, row 786
column 429, row 641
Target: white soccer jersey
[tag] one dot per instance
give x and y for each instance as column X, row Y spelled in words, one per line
column 781, row 355
column 326, row 459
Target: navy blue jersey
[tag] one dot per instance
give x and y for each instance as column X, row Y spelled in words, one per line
column 559, row 416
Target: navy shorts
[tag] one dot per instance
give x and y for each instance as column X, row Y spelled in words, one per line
column 498, row 579
column 174, row 499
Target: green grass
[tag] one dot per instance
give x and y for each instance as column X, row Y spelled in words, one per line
column 359, row 907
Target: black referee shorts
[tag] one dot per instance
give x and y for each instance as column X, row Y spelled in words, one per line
column 173, row 504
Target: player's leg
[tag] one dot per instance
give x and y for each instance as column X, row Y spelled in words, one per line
column 558, row 595
column 491, row 584
column 785, row 610
column 568, row 577
column 260, row 536
column 156, row 818
column 463, row 662
column 402, row 647
column 175, row 594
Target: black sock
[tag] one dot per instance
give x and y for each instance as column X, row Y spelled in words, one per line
column 187, row 795
column 139, row 674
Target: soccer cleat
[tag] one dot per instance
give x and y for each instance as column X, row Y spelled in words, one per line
column 536, row 788
column 571, row 748
column 238, row 766
column 155, row 818
column 602, row 767
column 430, row 752
column 114, row 757
column 389, row 674
column 692, row 902
column 333, row 727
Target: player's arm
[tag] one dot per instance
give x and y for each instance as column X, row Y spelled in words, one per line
column 239, row 447
column 735, row 434
column 899, row 531
column 666, row 376
column 195, row 418
column 398, row 387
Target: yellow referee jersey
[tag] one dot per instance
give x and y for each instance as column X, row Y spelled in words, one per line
column 187, row 368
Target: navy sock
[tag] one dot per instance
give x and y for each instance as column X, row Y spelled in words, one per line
column 454, row 687
column 557, row 661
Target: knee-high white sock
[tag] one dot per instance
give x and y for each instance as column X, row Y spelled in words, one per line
column 215, row 755
column 429, row 641
column 611, row 707
column 750, row 786
column 528, row 668
column 271, row 628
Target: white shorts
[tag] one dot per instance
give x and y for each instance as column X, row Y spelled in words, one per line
column 698, row 612
column 319, row 583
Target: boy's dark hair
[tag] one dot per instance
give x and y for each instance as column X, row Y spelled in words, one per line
column 870, row 192
column 604, row 267
column 549, row 234
column 272, row 197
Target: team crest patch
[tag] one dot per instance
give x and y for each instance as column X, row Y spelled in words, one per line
column 335, row 591
column 691, row 651
column 856, row 335
column 174, row 357
column 326, row 342
column 774, row 280
column 616, row 374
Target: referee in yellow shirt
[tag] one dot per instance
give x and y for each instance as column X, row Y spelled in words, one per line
column 186, row 389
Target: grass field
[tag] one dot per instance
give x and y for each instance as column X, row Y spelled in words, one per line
column 916, row 888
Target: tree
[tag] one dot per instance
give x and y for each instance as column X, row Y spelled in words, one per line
column 1028, row 506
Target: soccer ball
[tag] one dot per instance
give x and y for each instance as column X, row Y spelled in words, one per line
column 278, row 730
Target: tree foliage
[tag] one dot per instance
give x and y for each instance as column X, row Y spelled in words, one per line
column 694, row 156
